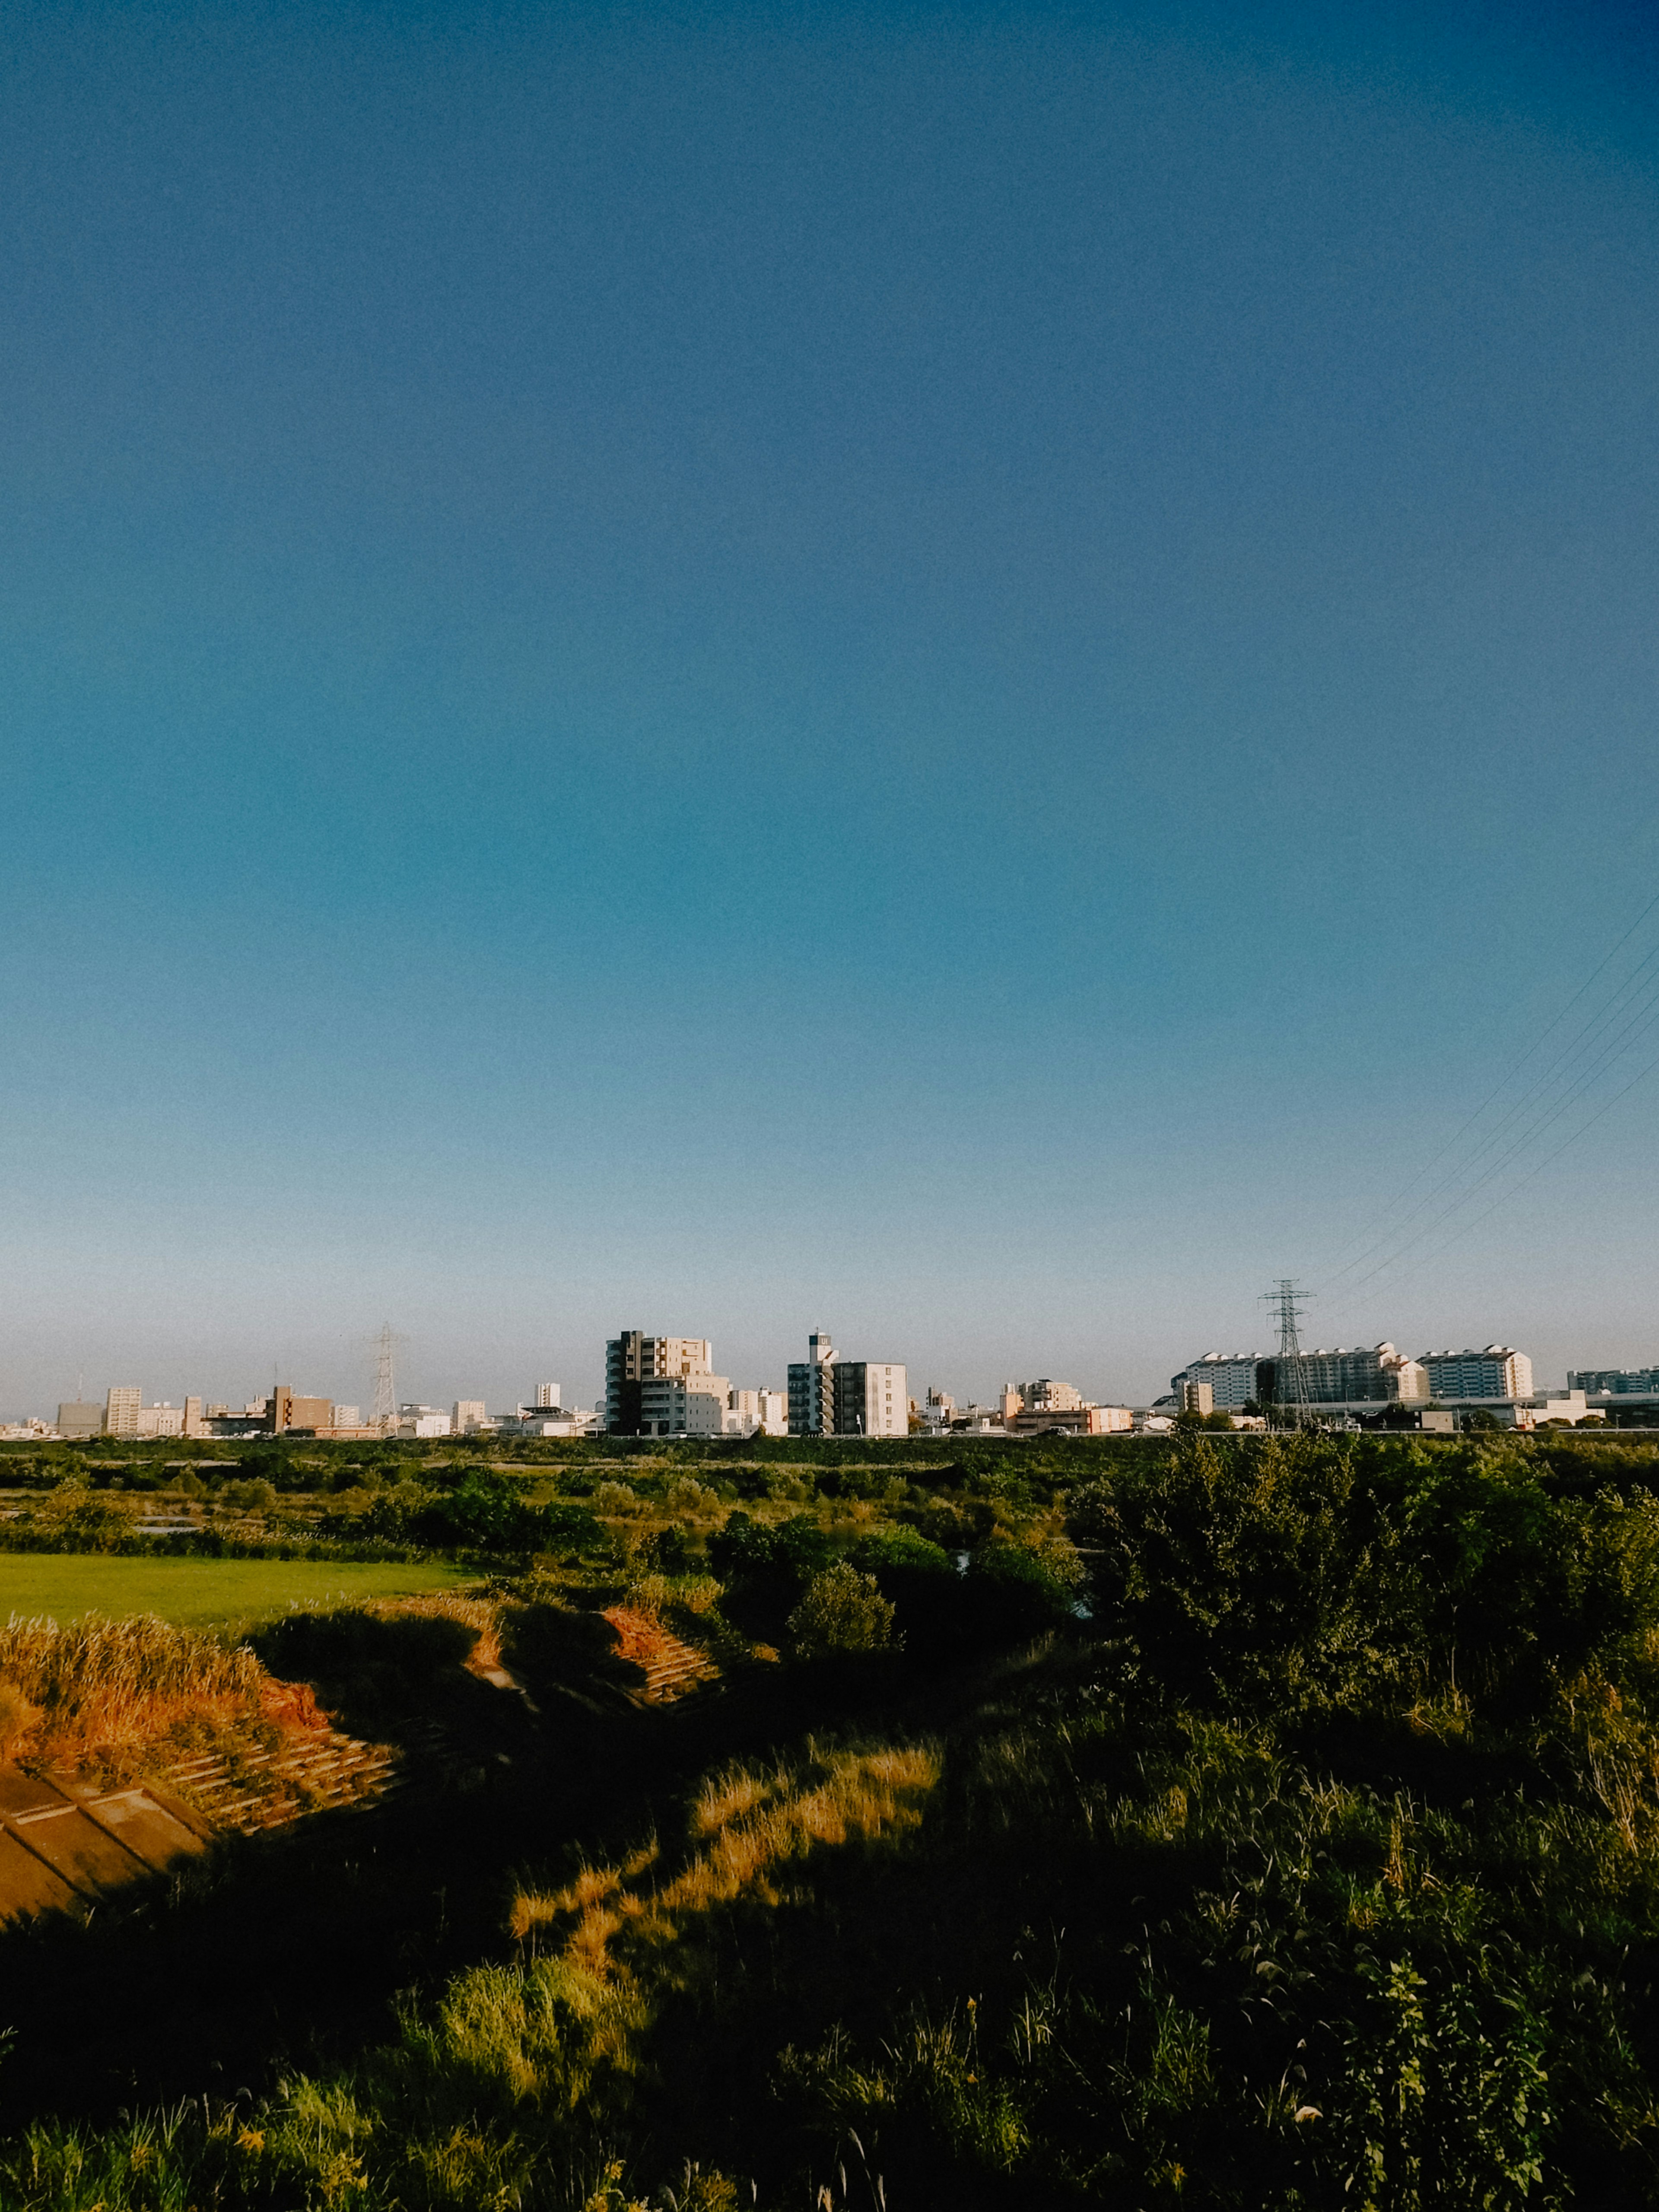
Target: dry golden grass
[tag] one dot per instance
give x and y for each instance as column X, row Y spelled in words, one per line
column 746, row 1826
column 481, row 1615
column 100, row 1685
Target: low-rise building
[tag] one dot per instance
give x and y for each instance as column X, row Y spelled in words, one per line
column 756, row 1412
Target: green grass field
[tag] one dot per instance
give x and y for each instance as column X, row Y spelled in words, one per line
column 199, row 1593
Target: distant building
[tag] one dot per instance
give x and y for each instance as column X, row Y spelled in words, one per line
column 195, row 1421
column 1348, row 1376
column 1499, row 1371
column 76, row 1418
column 547, row 1393
column 284, row 1413
column 689, row 1405
column 347, row 1417
column 470, row 1413
column 1043, row 1396
column 158, row 1421
column 751, row 1413
column 1078, row 1420
column 834, row 1397
column 122, row 1409
column 937, row 1412
column 423, row 1421
column 1608, row 1381
column 632, row 1360
column 1197, row 1398
column 1231, row 1376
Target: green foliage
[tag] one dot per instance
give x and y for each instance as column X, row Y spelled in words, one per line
column 842, row 1612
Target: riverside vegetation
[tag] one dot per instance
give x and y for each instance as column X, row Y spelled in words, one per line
column 1254, row 1822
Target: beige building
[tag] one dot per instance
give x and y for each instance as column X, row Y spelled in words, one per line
column 633, row 1360
column 749, row 1413
column 693, row 1404
column 470, row 1413
column 122, row 1407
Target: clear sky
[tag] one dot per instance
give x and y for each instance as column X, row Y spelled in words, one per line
column 962, row 675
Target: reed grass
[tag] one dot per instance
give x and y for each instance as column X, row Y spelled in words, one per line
column 101, row 1686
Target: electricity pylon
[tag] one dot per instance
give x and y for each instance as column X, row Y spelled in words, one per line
column 384, row 1416
column 1290, row 1377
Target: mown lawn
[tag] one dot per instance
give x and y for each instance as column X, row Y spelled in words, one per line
column 200, row 1593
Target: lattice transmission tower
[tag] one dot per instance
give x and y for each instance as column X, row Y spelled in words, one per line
column 1290, row 1375
column 384, row 1416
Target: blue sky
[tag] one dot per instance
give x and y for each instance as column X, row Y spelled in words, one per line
column 962, row 675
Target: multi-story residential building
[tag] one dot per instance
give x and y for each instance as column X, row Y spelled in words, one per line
column 1605, row 1382
column 812, row 1388
column 1344, row 1376
column 195, row 1423
column 689, row 1405
column 122, row 1409
column 347, row 1417
column 547, row 1394
column 158, row 1421
column 834, row 1397
column 633, row 1360
column 1499, row 1371
column 1231, row 1376
column 470, row 1413
column 1044, row 1396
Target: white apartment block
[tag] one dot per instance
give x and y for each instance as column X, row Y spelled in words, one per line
column 346, row 1417
column 157, row 1421
column 1231, row 1375
column 1499, row 1371
column 547, row 1394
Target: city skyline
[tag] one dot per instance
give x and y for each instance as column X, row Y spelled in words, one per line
column 418, row 1384
column 974, row 677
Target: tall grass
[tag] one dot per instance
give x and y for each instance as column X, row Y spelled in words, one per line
column 101, row 1686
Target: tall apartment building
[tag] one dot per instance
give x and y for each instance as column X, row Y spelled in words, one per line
column 834, row 1397
column 632, row 1360
column 1499, row 1371
column 547, row 1394
column 122, row 1407
column 1231, row 1376
column 1344, row 1376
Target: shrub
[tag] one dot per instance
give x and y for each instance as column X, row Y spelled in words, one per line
column 842, row 1612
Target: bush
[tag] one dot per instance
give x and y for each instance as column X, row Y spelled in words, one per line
column 842, row 1612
